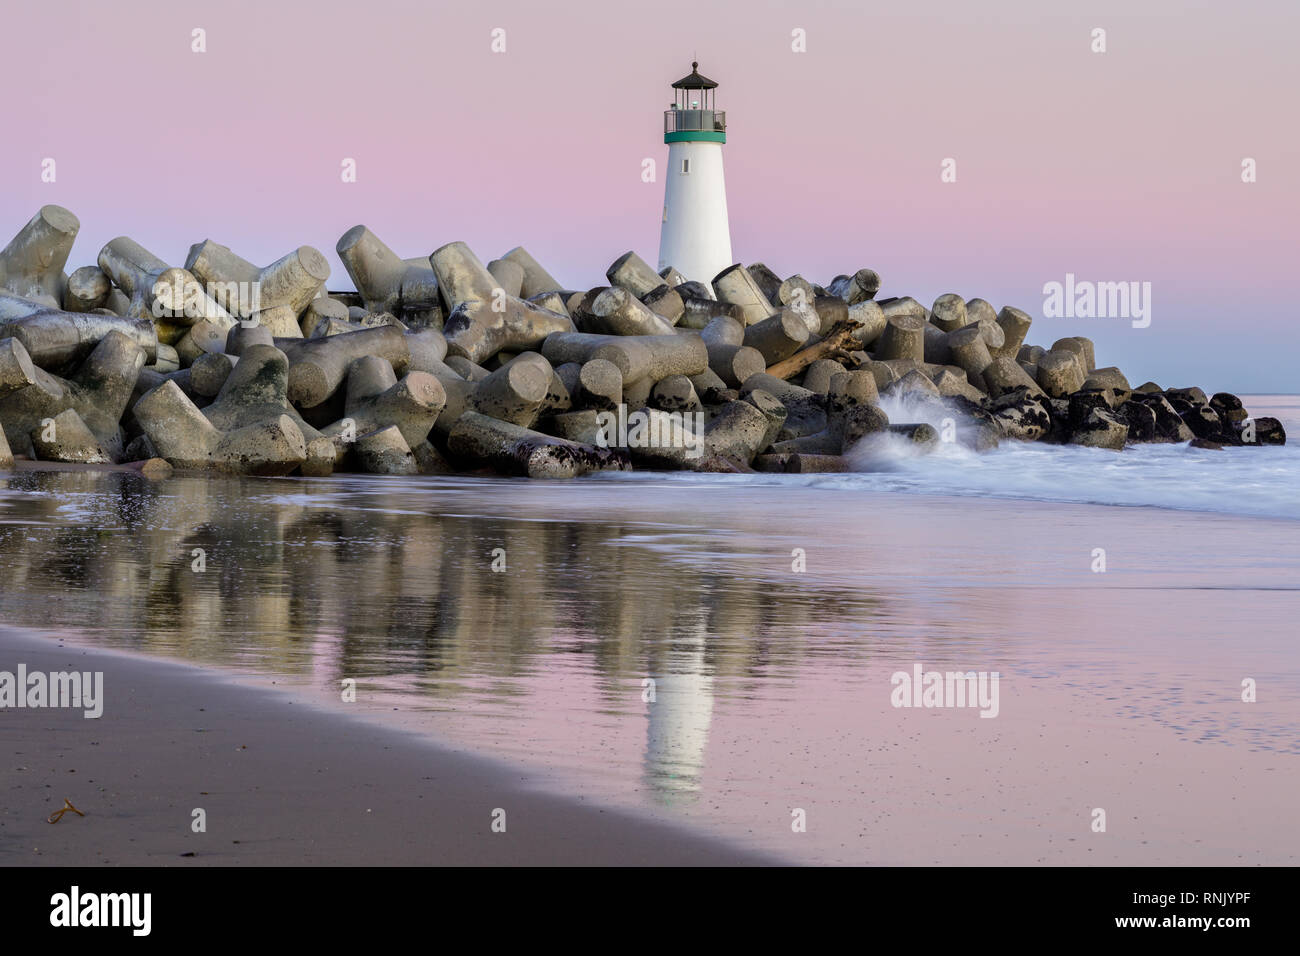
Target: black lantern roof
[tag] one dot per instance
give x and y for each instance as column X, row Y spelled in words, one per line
column 695, row 81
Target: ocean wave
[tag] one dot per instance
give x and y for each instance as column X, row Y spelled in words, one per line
column 1259, row 482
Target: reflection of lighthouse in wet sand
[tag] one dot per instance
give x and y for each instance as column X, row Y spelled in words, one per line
column 680, row 714
column 695, row 238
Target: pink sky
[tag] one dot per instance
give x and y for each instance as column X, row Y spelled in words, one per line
column 1116, row 166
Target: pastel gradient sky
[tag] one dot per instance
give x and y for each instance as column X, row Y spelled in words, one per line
column 1116, row 166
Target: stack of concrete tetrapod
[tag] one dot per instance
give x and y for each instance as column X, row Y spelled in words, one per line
column 439, row 363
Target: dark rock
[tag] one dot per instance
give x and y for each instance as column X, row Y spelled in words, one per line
column 140, row 448
column 917, row 432
column 774, row 463
column 1059, row 409
column 1228, row 407
column 1169, row 424
column 1194, row 395
column 1012, row 399
column 982, row 436
column 1019, row 415
column 1082, row 403
column 1101, row 429
column 1141, row 421
column 801, row 464
column 853, row 422
column 1267, row 431
column 1203, row 421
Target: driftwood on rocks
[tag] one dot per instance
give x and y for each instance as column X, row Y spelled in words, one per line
column 837, row 344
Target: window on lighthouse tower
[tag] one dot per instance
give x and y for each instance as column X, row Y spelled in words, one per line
column 686, row 166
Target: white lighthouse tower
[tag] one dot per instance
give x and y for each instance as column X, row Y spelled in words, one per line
column 695, row 238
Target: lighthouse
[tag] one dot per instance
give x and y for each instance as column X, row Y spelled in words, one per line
column 695, row 238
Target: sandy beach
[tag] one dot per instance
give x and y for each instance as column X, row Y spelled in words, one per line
column 282, row 783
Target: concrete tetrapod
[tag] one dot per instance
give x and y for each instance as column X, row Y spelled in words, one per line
column 275, row 295
column 667, row 303
column 256, row 392
column 872, row 320
column 968, row 350
column 1081, row 347
column 846, row 424
column 600, row 385
column 182, row 436
column 1004, row 375
column 903, row 338
column 87, row 290
column 536, row 279
column 699, row 310
column 778, row 336
column 638, row 357
column 173, row 299
column 461, row 276
column 733, row 364
column 831, row 310
column 31, row 265
column 479, row 329
column 317, row 367
column 768, row 282
column 509, row 276
column 376, row 402
column 515, row 392
column 859, row 287
column 98, row 392
column 515, row 450
column 617, row 312
column 1060, row 372
column 1015, row 326
column 806, row 410
column 736, row 286
column 949, row 312
column 59, row 340
column 634, row 274
column 66, row 438
column 386, row 282
column 320, row 311
column 743, row 429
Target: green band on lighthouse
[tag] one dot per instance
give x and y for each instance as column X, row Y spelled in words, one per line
column 696, row 136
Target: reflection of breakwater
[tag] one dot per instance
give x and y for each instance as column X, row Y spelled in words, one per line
column 322, row 580
column 113, row 553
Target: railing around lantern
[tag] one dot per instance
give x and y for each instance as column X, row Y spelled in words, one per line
column 683, row 121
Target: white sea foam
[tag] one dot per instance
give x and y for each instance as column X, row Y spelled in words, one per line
column 1246, row 481
column 1242, row 481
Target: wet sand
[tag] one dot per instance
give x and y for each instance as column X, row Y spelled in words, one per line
column 284, row 782
column 281, row 783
